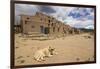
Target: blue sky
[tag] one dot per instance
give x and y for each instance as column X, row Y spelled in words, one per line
column 74, row 16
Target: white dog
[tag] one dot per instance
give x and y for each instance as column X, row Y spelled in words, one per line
column 42, row 53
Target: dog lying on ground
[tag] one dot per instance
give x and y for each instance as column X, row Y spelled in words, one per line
column 42, row 53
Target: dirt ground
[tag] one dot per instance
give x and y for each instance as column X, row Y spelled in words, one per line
column 74, row 48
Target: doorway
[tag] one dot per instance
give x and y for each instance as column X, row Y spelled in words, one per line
column 46, row 30
column 42, row 29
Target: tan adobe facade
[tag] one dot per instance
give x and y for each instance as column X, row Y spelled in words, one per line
column 41, row 23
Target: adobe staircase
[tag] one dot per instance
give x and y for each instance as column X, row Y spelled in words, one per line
column 37, row 36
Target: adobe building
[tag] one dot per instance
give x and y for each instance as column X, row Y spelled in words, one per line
column 41, row 23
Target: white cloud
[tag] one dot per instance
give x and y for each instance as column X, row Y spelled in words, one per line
column 90, row 27
column 25, row 9
column 61, row 13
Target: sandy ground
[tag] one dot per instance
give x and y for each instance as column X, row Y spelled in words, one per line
column 74, row 48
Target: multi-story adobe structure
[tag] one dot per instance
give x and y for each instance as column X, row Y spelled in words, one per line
column 41, row 23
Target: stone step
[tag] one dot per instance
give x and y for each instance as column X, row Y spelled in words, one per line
column 36, row 34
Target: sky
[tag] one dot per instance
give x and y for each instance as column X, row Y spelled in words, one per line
column 78, row 17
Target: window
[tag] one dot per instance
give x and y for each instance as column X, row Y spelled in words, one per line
column 48, row 16
column 48, row 24
column 27, row 17
column 63, row 28
column 41, row 19
column 32, row 26
column 52, row 24
column 49, row 21
column 58, row 29
column 25, row 22
column 53, row 29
